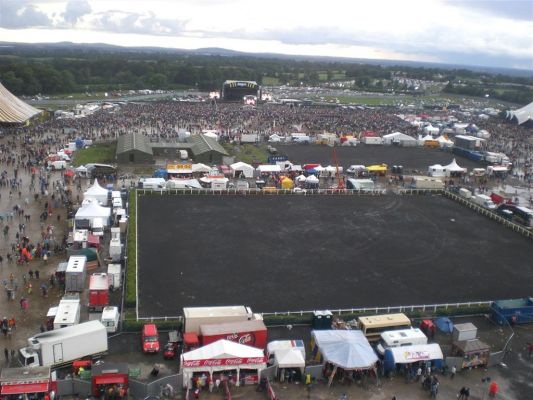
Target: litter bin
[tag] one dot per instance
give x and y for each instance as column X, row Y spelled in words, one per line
column 322, row 320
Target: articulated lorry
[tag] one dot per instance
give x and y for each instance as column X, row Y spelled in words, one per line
column 65, row 345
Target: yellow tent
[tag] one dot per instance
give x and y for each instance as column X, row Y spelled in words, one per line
column 287, row 183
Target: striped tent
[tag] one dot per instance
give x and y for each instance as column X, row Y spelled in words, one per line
column 13, row 110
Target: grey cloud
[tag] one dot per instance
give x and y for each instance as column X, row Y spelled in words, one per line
column 18, row 14
column 513, row 9
column 75, row 10
column 127, row 22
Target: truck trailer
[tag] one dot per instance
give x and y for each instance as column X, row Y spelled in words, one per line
column 251, row 333
column 196, row 316
column 63, row 346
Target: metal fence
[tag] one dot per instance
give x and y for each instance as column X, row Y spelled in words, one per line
column 363, row 310
column 260, row 192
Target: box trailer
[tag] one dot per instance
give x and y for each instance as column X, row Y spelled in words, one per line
column 75, row 274
column 196, row 316
column 466, row 331
column 251, row 333
column 110, row 318
column 114, row 274
column 115, row 250
column 26, row 383
column 424, row 182
column 98, row 291
column 68, row 313
column 63, row 346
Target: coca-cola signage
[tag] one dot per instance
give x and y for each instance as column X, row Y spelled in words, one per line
column 218, row 362
column 246, row 338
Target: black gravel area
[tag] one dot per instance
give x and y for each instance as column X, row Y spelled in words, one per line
column 419, row 158
column 279, row 253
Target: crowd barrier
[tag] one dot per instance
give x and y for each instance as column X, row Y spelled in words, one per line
column 259, row 192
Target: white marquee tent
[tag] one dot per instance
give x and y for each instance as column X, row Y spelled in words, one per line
column 454, row 167
column 93, row 211
column 269, row 168
column 246, row 169
column 97, row 193
column 221, row 355
column 399, row 138
column 289, row 358
column 201, row 168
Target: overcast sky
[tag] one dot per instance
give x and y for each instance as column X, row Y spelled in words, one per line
column 496, row 33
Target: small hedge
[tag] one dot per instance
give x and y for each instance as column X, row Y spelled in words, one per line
column 131, row 268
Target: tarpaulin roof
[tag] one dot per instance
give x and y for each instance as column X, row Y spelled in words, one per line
column 13, row 110
column 289, row 358
column 414, row 353
column 223, row 349
column 348, row 349
column 444, row 324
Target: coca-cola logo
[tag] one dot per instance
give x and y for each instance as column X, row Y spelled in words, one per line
column 195, row 363
column 213, row 363
column 247, row 339
column 234, row 361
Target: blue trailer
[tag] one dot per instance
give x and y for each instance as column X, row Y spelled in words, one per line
column 514, row 311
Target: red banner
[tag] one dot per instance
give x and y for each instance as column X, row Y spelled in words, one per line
column 217, row 362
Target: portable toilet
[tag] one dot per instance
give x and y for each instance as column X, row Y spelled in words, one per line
column 98, row 291
column 322, row 319
column 75, row 274
column 114, row 273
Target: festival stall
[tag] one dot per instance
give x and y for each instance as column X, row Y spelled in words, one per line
column 26, row 383
column 179, row 170
column 222, row 360
column 269, row 169
column 96, row 192
column 399, row 139
column 201, row 168
column 110, row 380
column 454, row 169
column 413, row 354
column 475, row 353
column 312, row 182
column 93, row 211
column 437, row 171
column 344, row 350
column 242, row 169
column 287, row 360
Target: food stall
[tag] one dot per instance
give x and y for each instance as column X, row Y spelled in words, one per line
column 223, row 360
column 110, row 380
column 345, row 353
column 475, row 353
column 34, row 383
column 426, row 353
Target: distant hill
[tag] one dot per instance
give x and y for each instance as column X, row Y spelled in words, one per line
column 215, row 51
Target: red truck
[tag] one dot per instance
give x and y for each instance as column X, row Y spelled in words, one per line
column 251, row 333
column 98, row 292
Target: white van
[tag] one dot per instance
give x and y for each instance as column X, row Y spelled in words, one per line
column 152, row 183
column 484, row 201
column 117, row 202
column 402, row 337
column 110, row 318
column 58, row 165
column 97, row 227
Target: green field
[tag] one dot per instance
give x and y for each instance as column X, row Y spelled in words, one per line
column 248, row 153
column 270, row 81
column 103, row 153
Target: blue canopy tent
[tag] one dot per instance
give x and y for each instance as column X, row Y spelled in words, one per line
column 444, row 324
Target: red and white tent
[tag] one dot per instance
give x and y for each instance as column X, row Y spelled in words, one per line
column 221, row 355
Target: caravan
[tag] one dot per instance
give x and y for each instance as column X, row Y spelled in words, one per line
column 402, row 337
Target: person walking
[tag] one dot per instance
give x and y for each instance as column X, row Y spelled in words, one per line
column 6, row 354
column 453, row 371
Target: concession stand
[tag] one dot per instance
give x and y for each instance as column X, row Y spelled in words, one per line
column 418, row 353
column 475, row 353
column 222, row 360
column 110, row 381
column 26, row 383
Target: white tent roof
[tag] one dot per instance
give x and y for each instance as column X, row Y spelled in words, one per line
column 442, row 139
column 414, row 353
column 95, row 190
column 454, row 167
column 437, row 167
column 269, row 168
column 201, row 168
column 523, row 114
column 241, row 166
column 223, row 349
column 312, row 178
column 427, row 137
column 289, row 358
column 93, row 210
column 300, row 178
column 348, row 349
column 208, row 179
column 81, row 168
column 399, row 136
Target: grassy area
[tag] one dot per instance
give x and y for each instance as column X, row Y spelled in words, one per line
column 248, row 153
column 131, row 268
column 270, row 81
column 103, row 153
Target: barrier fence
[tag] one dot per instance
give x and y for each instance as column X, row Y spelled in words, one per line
column 260, row 192
column 364, row 310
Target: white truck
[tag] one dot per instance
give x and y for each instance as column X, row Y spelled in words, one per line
column 196, row 316
column 63, row 346
column 484, row 201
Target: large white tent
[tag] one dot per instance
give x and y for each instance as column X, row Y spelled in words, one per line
column 289, row 358
column 399, row 138
column 444, row 142
column 97, row 193
column 246, row 169
column 93, row 211
column 437, row 170
column 521, row 115
column 201, row 168
column 221, row 355
column 454, row 167
column 347, row 349
column 269, row 168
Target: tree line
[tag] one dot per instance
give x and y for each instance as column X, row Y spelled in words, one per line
column 32, row 72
